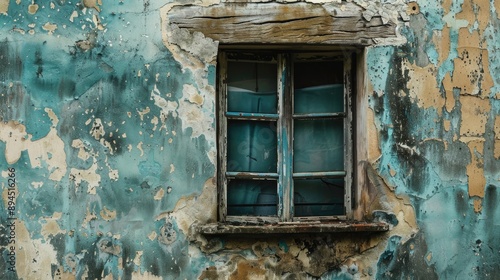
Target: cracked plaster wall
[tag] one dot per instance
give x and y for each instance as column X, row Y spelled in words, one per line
column 108, row 118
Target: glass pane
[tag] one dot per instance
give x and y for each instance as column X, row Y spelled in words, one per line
column 318, row 87
column 251, row 146
column 318, row 197
column 252, row 87
column 319, row 99
column 252, row 197
column 318, row 145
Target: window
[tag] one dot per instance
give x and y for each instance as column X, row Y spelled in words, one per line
column 285, row 135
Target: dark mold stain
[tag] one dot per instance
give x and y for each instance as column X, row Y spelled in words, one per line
column 405, row 261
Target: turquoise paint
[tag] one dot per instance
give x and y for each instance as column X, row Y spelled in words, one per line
column 493, row 46
column 378, row 66
column 105, row 80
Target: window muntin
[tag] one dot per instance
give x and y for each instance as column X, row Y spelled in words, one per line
column 285, row 136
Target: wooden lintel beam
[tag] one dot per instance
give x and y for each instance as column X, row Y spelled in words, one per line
column 279, row 23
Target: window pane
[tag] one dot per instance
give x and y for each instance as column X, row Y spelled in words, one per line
column 318, row 145
column 319, row 197
column 252, row 197
column 252, row 87
column 251, row 146
column 318, row 87
column 319, row 99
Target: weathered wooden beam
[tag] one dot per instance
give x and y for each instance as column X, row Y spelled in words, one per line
column 279, row 23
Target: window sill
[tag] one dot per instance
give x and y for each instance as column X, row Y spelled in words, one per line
column 292, row 228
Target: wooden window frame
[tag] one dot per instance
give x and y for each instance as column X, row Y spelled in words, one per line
column 349, row 57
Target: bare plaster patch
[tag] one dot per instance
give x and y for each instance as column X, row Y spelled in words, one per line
column 374, row 151
column 475, row 113
column 89, row 175
column 423, row 86
column 35, row 257
column 50, row 27
column 48, row 149
column 4, row 6
column 200, row 120
column 475, row 170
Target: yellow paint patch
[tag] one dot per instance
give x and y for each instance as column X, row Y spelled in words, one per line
column 97, row 130
column 88, row 217
column 50, row 227
column 139, row 147
column 497, row 149
column 478, row 205
column 475, row 112
column 475, row 170
column 476, row 10
column 392, row 172
column 159, row 194
column 35, row 257
column 441, row 40
column 93, row 4
column 446, row 5
column 152, row 236
column 472, row 74
column 413, row 8
column 145, row 275
column 448, row 87
column 82, row 153
column 447, row 125
column 496, row 129
column 372, row 137
column 4, row 6
column 50, row 27
column 193, row 95
column 497, row 8
column 137, row 258
column 107, row 214
column 143, row 112
column 423, row 86
column 429, row 257
column 49, row 149
column 88, row 175
column 32, row 9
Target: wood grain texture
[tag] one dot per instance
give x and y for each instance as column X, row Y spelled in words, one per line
column 277, row 23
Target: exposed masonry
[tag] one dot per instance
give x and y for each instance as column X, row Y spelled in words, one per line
column 108, row 117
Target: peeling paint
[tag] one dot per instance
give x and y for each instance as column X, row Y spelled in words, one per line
column 108, row 116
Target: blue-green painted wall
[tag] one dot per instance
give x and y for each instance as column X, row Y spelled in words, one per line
column 108, row 118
